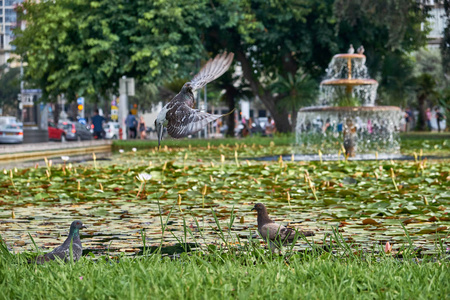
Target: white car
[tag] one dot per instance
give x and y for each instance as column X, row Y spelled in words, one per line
column 11, row 130
column 111, row 130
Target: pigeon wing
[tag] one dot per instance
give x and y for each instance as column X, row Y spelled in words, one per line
column 272, row 231
column 277, row 232
column 213, row 69
column 185, row 121
column 58, row 252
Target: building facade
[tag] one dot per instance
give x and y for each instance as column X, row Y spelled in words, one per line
column 8, row 21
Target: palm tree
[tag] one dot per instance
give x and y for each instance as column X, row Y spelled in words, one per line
column 299, row 90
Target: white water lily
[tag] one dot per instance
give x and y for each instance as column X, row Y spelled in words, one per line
column 65, row 158
column 121, row 150
column 134, row 149
column 142, row 177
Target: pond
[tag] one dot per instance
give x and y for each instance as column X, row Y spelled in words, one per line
column 193, row 189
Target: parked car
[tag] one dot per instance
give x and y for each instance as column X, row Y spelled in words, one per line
column 111, row 130
column 55, row 133
column 75, row 131
column 11, row 130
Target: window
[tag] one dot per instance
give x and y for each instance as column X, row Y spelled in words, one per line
column 10, row 15
column 12, row 2
column 9, row 29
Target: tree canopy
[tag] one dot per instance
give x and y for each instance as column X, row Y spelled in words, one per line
column 84, row 47
column 10, row 87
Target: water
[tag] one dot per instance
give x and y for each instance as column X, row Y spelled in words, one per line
column 338, row 83
column 373, row 131
column 346, row 119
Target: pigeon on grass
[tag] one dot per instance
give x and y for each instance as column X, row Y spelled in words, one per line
column 179, row 115
column 276, row 234
column 63, row 252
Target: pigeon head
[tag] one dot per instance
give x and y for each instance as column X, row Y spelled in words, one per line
column 263, row 216
column 187, row 87
column 76, row 226
column 260, row 208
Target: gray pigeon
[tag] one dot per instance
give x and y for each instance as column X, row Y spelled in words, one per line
column 360, row 49
column 351, row 50
column 277, row 234
column 63, row 252
column 179, row 114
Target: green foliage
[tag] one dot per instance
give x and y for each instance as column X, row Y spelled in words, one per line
column 9, row 86
column 346, row 99
column 397, row 86
column 225, row 276
column 85, row 47
column 357, row 211
column 445, row 43
column 298, row 90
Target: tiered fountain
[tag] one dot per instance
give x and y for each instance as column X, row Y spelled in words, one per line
column 347, row 120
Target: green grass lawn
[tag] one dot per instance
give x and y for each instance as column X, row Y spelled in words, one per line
column 201, row 192
column 224, row 275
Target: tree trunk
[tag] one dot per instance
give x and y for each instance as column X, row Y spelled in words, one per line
column 230, row 96
column 107, row 107
column 294, row 120
column 74, row 110
column 421, row 122
column 56, row 112
column 279, row 116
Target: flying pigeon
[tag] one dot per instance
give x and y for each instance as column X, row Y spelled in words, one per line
column 351, row 50
column 63, row 251
column 360, row 49
column 179, row 115
column 276, row 234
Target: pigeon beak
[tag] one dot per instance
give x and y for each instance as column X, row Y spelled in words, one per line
column 254, row 208
column 83, row 227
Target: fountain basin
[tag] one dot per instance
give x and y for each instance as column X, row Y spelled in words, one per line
column 349, row 82
column 366, row 130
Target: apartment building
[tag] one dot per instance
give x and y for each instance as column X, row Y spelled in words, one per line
column 8, row 21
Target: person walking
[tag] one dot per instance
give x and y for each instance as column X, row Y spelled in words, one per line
column 142, row 128
column 439, row 118
column 408, row 119
column 131, row 123
column 270, row 128
column 97, row 121
column 428, row 114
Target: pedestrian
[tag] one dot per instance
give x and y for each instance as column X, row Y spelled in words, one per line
column 97, row 121
column 142, row 128
column 409, row 119
column 270, row 128
column 439, row 118
column 428, row 114
column 131, row 123
column 245, row 129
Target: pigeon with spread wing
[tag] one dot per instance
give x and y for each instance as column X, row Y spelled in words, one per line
column 179, row 115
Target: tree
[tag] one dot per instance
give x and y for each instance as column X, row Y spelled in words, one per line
column 445, row 43
column 276, row 38
column 298, row 90
column 84, row 47
column 9, row 88
column 261, row 35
